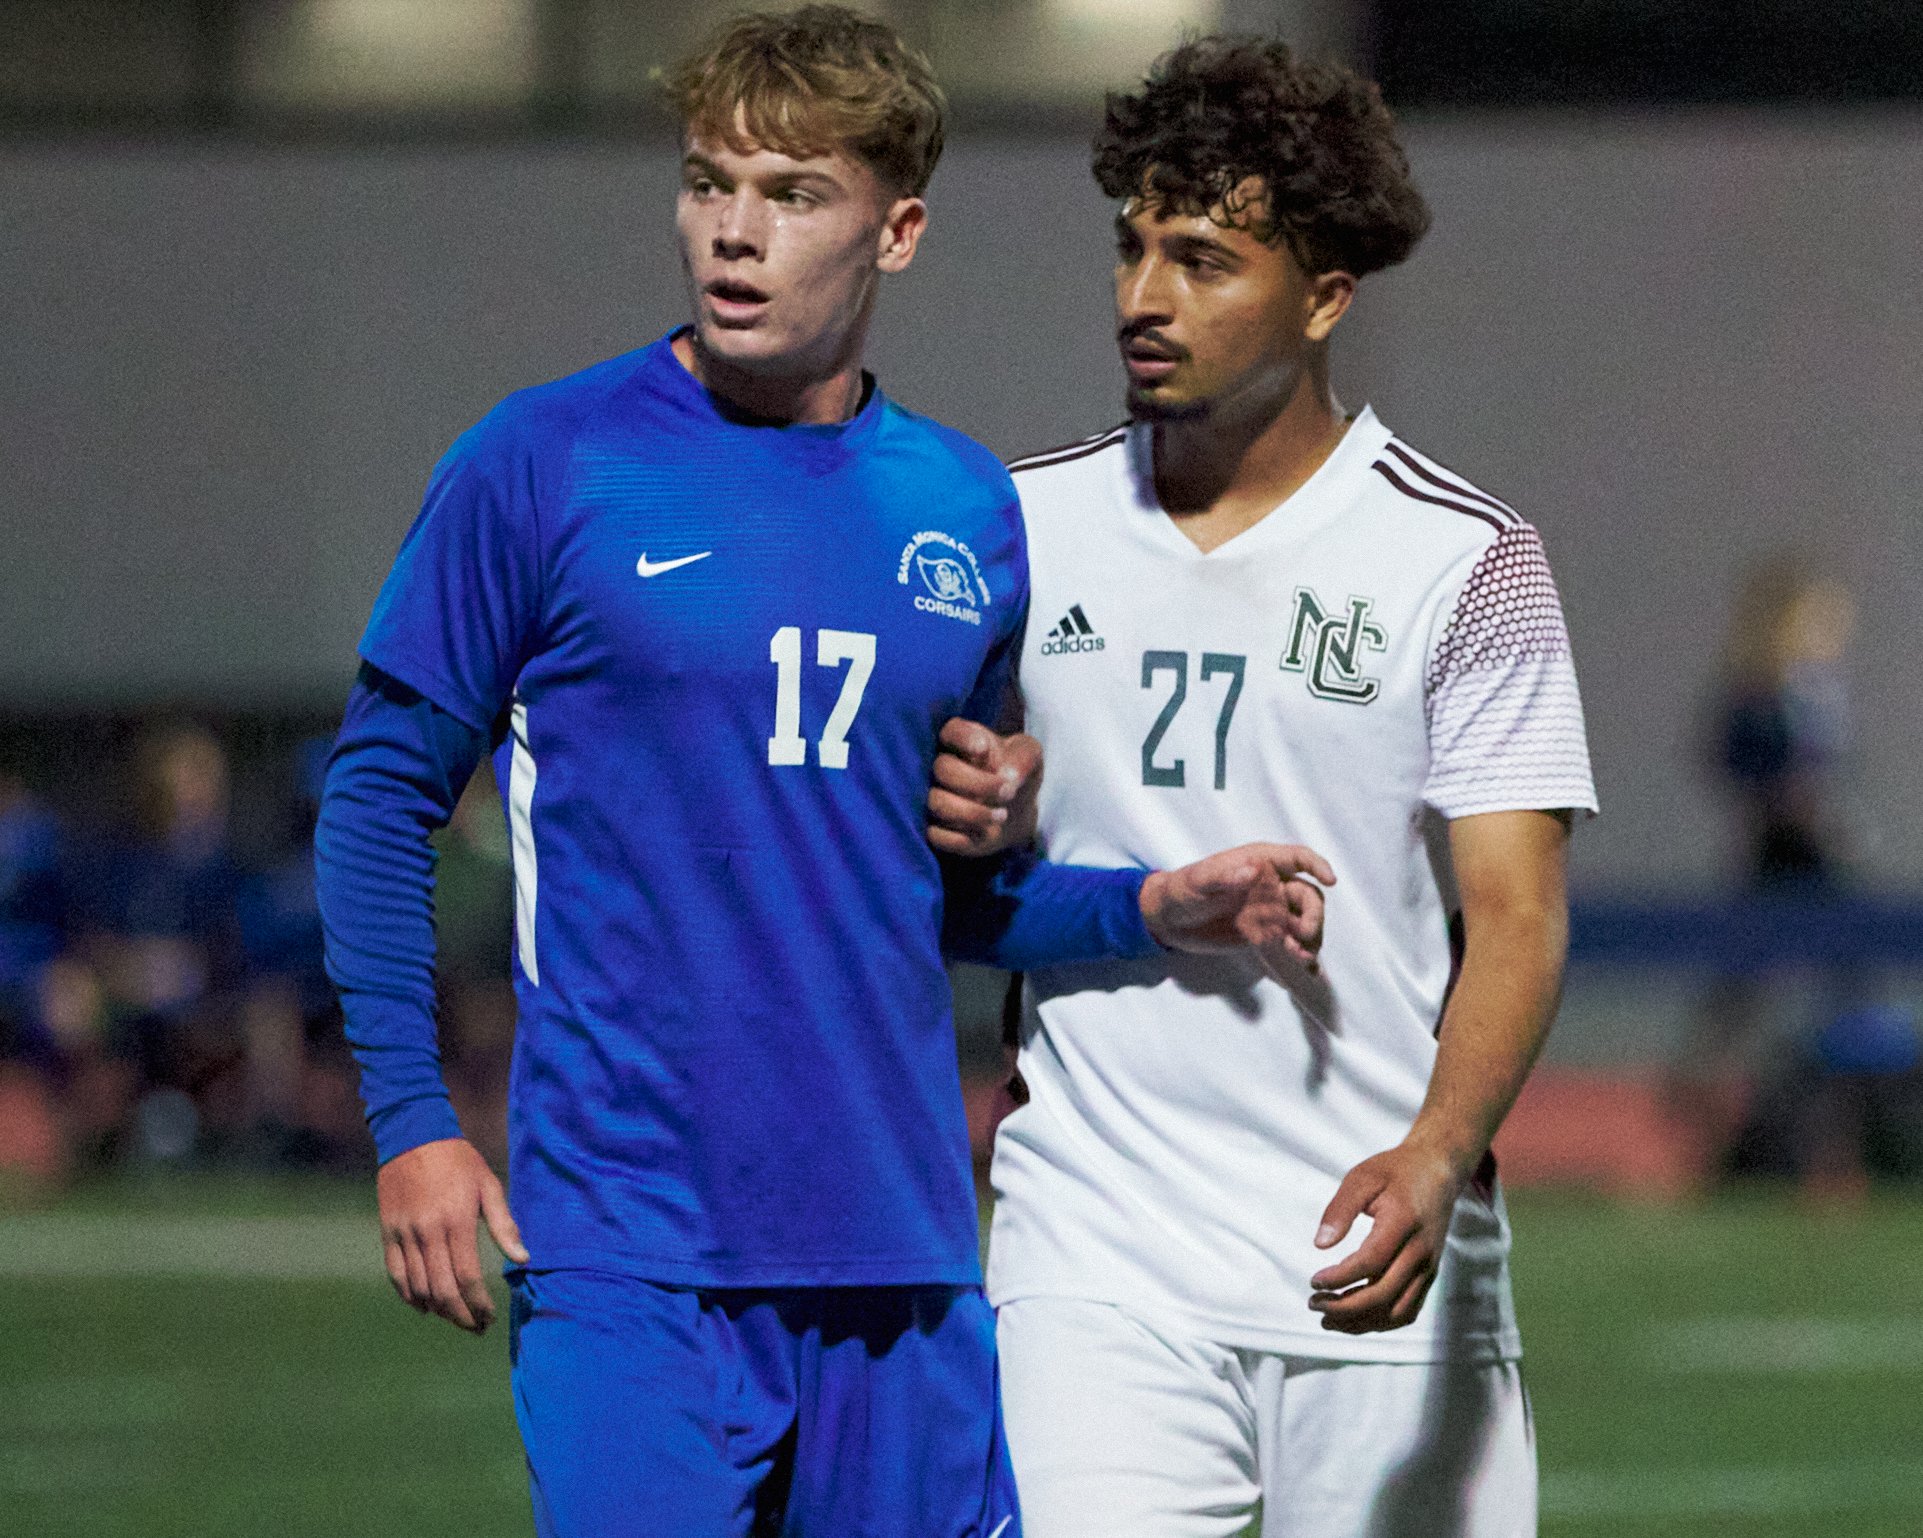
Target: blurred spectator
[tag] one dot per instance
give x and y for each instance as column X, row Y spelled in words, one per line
column 1824, row 1105
column 33, row 916
column 159, row 926
column 94, row 1088
column 1783, row 723
column 161, row 999
column 63, row 1094
column 32, row 934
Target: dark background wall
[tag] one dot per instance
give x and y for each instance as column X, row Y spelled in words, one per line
column 1674, row 342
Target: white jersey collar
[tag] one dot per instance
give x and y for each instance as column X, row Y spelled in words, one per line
column 1322, row 496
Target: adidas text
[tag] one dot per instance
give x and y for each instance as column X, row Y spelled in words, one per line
column 1058, row 646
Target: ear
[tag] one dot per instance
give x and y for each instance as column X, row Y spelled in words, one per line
column 1327, row 302
column 901, row 232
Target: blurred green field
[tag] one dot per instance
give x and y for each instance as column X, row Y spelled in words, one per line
column 202, row 1358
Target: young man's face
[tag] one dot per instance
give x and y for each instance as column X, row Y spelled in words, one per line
column 1209, row 313
column 783, row 255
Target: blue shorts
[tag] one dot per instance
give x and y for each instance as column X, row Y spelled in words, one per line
column 858, row 1412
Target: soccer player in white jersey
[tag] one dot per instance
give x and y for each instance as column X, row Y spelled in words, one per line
column 1248, row 1248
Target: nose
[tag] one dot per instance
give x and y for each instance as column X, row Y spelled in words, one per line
column 741, row 234
column 1142, row 296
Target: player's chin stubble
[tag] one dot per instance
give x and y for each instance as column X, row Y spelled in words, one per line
column 1144, row 406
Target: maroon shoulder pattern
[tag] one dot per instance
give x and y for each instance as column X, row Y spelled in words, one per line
column 1508, row 610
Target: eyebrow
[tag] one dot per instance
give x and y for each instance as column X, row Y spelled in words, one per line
column 1200, row 244
column 1183, row 241
column 694, row 160
column 796, row 178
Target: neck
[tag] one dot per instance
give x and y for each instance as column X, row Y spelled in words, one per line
column 1220, row 473
column 801, row 392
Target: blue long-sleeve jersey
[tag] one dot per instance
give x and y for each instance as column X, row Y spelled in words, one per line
column 712, row 657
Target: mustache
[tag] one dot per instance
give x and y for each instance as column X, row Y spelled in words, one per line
column 1147, row 340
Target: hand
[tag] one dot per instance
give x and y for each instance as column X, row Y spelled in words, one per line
column 983, row 799
column 1410, row 1193
column 1252, row 895
column 429, row 1199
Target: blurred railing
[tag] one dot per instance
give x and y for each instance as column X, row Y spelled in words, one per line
column 1747, row 935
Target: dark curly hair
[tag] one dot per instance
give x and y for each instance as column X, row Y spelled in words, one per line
column 1220, row 110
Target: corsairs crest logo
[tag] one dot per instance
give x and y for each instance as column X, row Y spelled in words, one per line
column 944, row 576
column 1328, row 648
column 950, row 573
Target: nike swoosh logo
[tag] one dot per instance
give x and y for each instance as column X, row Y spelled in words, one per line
column 999, row 1526
column 649, row 568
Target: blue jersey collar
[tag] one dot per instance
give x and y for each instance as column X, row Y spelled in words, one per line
column 835, row 440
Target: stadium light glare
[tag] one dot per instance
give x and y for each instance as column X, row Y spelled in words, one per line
column 397, row 53
column 1160, row 14
column 1059, row 50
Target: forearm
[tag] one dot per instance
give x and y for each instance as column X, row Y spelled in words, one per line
column 1498, row 1017
column 396, row 772
column 1019, row 912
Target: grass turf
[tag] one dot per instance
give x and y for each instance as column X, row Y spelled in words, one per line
column 1748, row 1367
column 1740, row 1368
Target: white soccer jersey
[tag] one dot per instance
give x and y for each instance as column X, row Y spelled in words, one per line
column 1383, row 652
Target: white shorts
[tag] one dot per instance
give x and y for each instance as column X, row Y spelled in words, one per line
column 1123, row 1430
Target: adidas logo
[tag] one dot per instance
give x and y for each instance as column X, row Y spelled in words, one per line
column 1072, row 634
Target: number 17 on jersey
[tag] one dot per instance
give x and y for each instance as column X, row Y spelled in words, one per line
column 833, row 648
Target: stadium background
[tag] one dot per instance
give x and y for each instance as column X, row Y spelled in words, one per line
column 260, row 260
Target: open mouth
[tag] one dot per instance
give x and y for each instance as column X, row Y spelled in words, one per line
column 734, row 302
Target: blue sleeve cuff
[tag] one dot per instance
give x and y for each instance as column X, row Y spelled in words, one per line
column 1020, row 912
column 1129, row 929
column 397, row 1128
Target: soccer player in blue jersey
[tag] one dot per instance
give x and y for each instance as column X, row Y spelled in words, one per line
column 708, row 604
